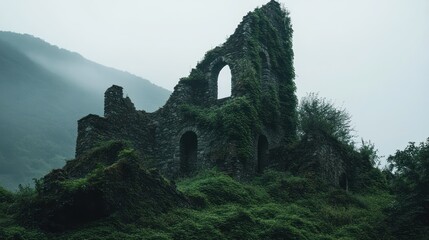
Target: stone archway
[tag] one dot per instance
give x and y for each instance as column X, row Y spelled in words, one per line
column 262, row 153
column 188, row 152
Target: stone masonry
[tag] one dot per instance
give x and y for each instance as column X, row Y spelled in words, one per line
column 194, row 130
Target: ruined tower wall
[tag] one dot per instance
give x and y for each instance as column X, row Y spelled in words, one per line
column 195, row 130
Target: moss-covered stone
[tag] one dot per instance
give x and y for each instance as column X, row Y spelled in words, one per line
column 108, row 180
column 262, row 103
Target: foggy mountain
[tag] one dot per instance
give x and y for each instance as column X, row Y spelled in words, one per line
column 44, row 90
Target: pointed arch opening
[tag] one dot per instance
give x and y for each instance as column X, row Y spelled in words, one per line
column 224, row 84
column 188, row 152
column 262, row 153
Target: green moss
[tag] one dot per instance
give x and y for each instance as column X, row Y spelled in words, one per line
column 195, row 79
column 104, row 154
column 214, row 188
column 73, row 185
column 128, row 153
column 299, row 209
column 285, row 207
column 278, row 44
column 271, row 103
column 17, row 232
column 237, row 120
column 286, row 187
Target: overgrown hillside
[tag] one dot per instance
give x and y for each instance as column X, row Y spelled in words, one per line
column 275, row 205
column 108, row 194
column 44, row 90
column 314, row 181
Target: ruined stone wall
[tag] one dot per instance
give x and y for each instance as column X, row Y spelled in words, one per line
column 121, row 121
column 227, row 131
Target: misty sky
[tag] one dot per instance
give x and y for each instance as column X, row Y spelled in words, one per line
column 369, row 56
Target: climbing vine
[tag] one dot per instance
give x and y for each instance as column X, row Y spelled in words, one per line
column 255, row 103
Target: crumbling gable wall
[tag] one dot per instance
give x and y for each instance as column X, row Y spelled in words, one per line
column 195, row 130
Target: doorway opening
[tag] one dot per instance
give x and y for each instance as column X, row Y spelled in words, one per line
column 188, row 152
column 262, row 153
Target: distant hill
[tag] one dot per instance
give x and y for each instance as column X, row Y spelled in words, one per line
column 44, row 90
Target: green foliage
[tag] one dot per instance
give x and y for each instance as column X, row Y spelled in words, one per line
column 127, row 153
column 270, row 112
column 6, row 199
column 5, row 195
column 363, row 170
column 410, row 182
column 23, row 204
column 108, row 180
column 285, row 186
column 278, row 43
column 235, row 119
column 73, row 185
column 260, row 102
column 276, row 205
column 292, row 207
column 108, row 194
column 18, row 233
column 215, row 188
column 104, row 154
column 326, row 146
column 318, row 116
column 369, row 154
column 195, row 79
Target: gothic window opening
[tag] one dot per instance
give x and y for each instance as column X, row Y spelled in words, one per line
column 224, row 83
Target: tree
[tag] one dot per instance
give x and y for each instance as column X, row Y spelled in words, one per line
column 326, row 147
column 318, row 116
column 369, row 154
column 410, row 183
column 325, row 144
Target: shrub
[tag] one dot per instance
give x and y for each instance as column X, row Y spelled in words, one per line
column 215, row 188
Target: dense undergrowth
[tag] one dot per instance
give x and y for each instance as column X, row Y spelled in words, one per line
column 275, row 205
column 108, row 193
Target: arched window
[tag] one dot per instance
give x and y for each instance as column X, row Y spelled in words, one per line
column 262, row 153
column 224, row 83
column 188, row 152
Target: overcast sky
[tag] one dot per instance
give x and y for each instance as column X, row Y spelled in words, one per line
column 369, row 56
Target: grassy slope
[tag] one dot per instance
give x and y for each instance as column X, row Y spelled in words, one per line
column 275, row 205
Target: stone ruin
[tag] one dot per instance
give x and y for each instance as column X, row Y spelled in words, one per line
column 194, row 130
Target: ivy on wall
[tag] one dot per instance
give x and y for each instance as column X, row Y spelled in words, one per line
column 266, row 30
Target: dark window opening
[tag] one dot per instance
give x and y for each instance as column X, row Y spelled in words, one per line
column 224, row 83
column 344, row 182
column 188, row 152
column 262, row 153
